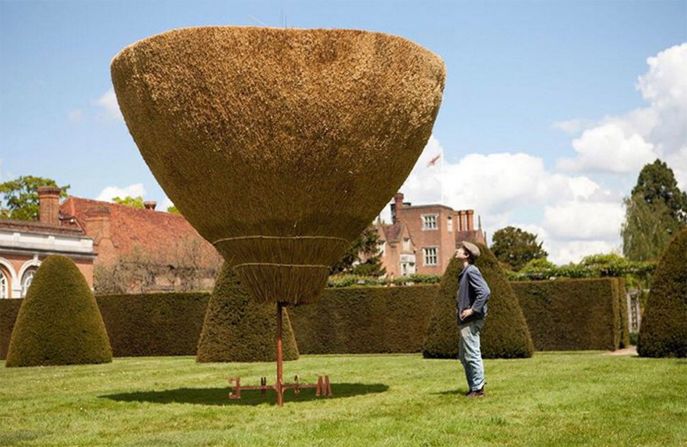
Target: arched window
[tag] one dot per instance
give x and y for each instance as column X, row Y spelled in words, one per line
column 26, row 281
column 4, row 284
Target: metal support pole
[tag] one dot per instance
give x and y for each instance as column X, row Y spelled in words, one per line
column 280, row 361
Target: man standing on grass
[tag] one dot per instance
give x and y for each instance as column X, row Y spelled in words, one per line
column 471, row 310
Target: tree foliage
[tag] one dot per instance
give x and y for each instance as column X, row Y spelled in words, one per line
column 363, row 256
column 134, row 202
column 515, row 247
column 654, row 212
column 19, row 197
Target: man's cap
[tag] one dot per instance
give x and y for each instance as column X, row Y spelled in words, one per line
column 472, row 248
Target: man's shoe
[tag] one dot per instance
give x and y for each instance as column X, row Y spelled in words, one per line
column 477, row 393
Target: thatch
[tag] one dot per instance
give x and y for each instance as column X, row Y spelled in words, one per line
column 278, row 132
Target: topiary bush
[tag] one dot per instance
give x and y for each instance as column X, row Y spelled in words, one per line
column 663, row 332
column 238, row 329
column 505, row 333
column 8, row 315
column 59, row 322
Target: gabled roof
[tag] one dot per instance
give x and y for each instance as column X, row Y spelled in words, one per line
column 149, row 230
column 392, row 233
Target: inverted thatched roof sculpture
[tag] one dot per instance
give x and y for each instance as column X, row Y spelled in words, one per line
column 279, row 145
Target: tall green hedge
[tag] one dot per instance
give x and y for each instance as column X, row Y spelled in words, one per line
column 505, row 333
column 664, row 324
column 364, row 320
column 58, row 322
column 8, row 315
column 624, row 323
column 153, row 324
column 237, row 329
column 574, row 314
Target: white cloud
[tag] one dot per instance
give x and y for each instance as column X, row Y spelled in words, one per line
column 569, row 209
column 108, row 102
column 578, row 220
column 110, row 192
column 623, row 144
column 497, row 185
column 608, row 148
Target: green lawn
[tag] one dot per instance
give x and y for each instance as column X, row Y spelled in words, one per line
column 576, row 398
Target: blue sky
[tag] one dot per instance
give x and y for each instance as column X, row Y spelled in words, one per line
column 526, row 80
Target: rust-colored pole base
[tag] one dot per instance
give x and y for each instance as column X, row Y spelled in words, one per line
column 323, row 388
column 279, row 386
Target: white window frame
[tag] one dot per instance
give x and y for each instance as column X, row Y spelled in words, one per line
column 449, row 224
column 426, row 255
column 4, row 285
column 26, row 280
column 425, row 222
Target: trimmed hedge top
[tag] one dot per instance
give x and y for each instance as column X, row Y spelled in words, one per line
column 59, row 322
column 664, row 325
column 505, row 333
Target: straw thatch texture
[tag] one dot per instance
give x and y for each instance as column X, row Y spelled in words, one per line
column 278, row 132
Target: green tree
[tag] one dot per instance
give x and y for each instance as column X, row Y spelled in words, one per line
column 362, row 257
column 654, row 212
column 173, row 210
column 515, row 247
column 19, row 197
column 134, row 202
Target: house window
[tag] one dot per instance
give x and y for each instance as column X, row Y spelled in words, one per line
column 4, row 285
column 430, row 255
column 26, row 282
column 449, row 224
column 429, row 222
column 406, row 244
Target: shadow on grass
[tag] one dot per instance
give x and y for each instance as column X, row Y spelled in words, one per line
column 460, row 392
column 219, row 396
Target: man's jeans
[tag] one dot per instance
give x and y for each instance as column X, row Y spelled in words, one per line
column 469, row 353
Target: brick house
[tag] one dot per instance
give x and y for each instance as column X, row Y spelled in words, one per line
column 423, row 238
column 24, row 245
column 160, row 250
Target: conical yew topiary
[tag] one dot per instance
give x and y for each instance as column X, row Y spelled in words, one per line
column 59, row 322
column 505, row 333
column 663, row 332
column 238, row 329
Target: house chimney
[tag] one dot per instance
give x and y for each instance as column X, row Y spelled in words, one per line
column 97, row 226
column 49, row 204
column 461, row 221
column 150, row 204
column 397, row 205
column 470, row 216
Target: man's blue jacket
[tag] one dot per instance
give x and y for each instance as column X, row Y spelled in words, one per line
column 473, row 292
